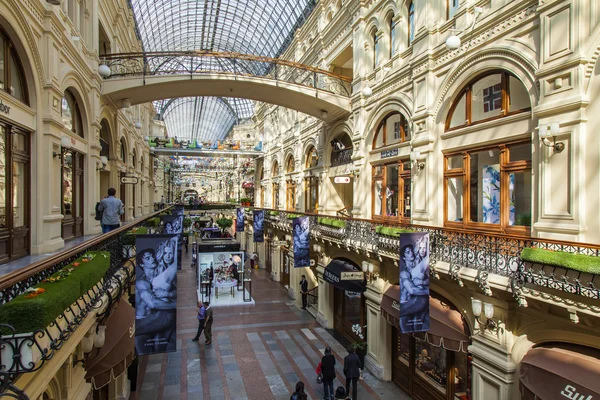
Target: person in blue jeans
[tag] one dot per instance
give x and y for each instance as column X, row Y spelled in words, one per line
column 328, row 372
column 112, row 209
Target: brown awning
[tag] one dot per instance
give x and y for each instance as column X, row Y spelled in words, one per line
column 118, row 350
column 557, row 371
column 447, row 328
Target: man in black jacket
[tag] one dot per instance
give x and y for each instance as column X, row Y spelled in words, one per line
column 352, row 372
column 304, row 291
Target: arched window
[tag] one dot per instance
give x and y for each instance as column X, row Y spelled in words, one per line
column 289, row 165
column 392, row 129
column 123, row 154
column 71, row 113
column 133, row 160
column 105, row 138
column 451, row 8
column 12, row 78
column 312, row 157
column 490, row 96
column 376, row 39
column 411, row 23
column 275, row 169
column 392, row 27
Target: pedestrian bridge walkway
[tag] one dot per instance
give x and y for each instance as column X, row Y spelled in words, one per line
column 144, row 77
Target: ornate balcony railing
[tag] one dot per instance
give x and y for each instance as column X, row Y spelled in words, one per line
column 341, row 157
column 208, row 62
column 101, row 298
column 487, row 253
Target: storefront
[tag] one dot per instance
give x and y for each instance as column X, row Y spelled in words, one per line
column 560, row 370
column 348, row 301
column 432, row 365
column 72, row 193
column 284, row 266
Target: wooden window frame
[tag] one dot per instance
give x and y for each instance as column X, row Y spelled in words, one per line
column 275, row 195
column 309, row 152
column 506, row 167
column 383, row 126
column 403, row 174
column 467, row 91
column 290, row 195
column 309, row 183
column 393, row 37
column 10, row 53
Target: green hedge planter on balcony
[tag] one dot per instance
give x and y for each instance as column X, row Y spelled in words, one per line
column 292, row 216
column 273, row 213
column 336, row 223
column 30, row 314
column 153, row 222
column 129, row 239
column 390, row 231
column 576, row 262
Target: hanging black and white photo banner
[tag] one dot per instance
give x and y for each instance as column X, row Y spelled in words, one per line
column 414, row 282
column 301, row 231
column 239, row 223
column 155, row 293
column 173, row 225
column 259, row 226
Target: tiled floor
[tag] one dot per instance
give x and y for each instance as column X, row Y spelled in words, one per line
column 259, row 352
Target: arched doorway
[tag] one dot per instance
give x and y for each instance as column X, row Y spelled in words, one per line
column 15, row 151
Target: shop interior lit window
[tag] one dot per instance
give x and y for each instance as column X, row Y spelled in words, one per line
column 71, row 115
column 392, row 191
column 67, row 182
column 490, row 188
column 430, row 363
column 391, row 130
column 12, row 78
column 3, row 217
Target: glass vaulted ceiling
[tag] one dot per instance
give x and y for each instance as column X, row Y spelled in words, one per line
column 257, row 27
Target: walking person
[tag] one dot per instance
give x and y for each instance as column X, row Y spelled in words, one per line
column 352, row 372
column 112, row 209
column 304, row 291
column 208, row 321
column 299, row 394
column 201, row 317
column 328, row 372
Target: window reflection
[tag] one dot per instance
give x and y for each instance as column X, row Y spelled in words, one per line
column 67, row 184
column 430, row 362
column 19, row 183
column 3, row 177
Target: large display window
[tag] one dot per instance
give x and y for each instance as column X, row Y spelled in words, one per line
column 221, row 274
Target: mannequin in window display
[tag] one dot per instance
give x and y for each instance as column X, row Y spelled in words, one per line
column 389, row 204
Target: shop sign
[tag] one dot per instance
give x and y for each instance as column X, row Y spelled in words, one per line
column 280, row 243
column 331, row 276
column 570, row 392
column 341, row 179
column 4, row 108
column 352, row 276
column 129, row 180
column 389, row 153
column 396, row 305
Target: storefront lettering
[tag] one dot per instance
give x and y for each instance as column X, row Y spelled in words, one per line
column 4, row 108
column 352, row 276
column 331, row 276
column 396, row 305
column 570, row 392
column 389, row 153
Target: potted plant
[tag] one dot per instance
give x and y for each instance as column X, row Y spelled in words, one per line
column 224, row 223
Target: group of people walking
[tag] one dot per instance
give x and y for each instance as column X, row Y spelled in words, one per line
column 326, row 373
column 205, row 320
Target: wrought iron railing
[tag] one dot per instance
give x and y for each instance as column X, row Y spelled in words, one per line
column 103, row 296
column 488, row 253
column 341, row 157
column 208, row 62
column 313, row 298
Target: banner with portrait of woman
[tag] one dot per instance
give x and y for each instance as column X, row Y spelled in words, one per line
column 239, row 222
column 259, row 226
column 300, row 227
column 173, row 225
column 414, row 282
column 155, row 293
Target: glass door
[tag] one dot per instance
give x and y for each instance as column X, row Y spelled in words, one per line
column 72, row 194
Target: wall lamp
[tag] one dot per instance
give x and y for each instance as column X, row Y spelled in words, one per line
column 490, row 324
column 368, row 91
column 453, row 42
column 368, row 268
column 548, row 131
column 65, row 143
column 417, row 160
column 104, row 161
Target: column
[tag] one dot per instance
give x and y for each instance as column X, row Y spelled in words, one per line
column 378, row 360
column 325, row 314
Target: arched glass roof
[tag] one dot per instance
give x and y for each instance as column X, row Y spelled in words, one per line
column 205, row 119
column 256, row 27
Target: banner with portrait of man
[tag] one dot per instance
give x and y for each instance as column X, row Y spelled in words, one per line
column 414, row 282
column 173, row 225
column 156, row 293
column 301, row 229
column 259, row 226
column 239, row 222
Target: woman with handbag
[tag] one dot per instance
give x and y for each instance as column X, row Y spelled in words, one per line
column 328, row 373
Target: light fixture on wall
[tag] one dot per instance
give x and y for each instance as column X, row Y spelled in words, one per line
column 104, row 161
column 490, row 324
column 548, row 131
column 453, row 42
column 65, row 143
column 417, row 160
column 324, row 114
column 104, row 70
column 138, row 125
column 367, row 90
column 125, row 103
column 368, row 269
column 100, row 336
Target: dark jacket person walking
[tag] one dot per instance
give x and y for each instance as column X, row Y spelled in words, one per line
column 304, row 291
column 328, row 371
column 352, row 372
column 201, row 319
column 208, row 321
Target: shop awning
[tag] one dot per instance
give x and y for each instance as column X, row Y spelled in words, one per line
column 554, row 372
column 345, row 276
column 447, row 328
column 118, row 350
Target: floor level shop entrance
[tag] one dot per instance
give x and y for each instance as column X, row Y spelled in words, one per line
column 14, row 192
column 72, row 193
column 349, row 310
column 268, row 255
column 285, row 267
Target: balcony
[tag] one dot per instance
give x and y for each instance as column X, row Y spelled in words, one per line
column 486, row 253
column 341, row 157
